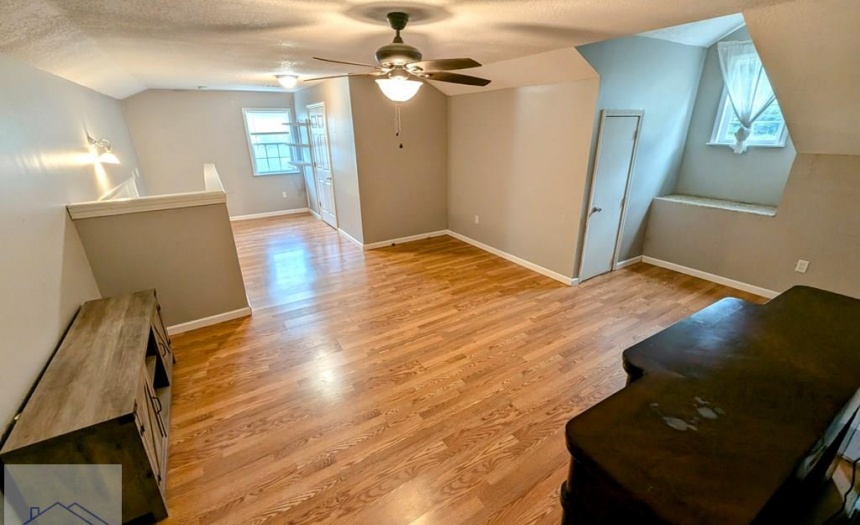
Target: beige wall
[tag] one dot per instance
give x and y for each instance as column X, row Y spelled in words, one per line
column 818, row 220
column 188, row 255
column 176, row 132
column 44, row 164
column 403, row 190
column 809, row 49
column 518, row 158
column 335, row 94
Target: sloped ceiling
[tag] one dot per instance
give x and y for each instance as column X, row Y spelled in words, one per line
column 704, row 33
column 811, row 52
column 121, row 47
column 552, row 67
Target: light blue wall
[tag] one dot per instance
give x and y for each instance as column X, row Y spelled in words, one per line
column 660, row 78
column 757, row 176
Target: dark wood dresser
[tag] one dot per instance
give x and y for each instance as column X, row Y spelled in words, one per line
column 105, row 399
column 732, row 416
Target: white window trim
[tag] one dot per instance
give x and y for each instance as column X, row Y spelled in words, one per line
column 251, row 146
column 720, row 122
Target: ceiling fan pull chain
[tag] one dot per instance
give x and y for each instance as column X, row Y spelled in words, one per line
column 397, row 120
column 397, row 126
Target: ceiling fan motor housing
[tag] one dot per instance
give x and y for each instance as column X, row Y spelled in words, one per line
column 397, row 54
column 399, row 60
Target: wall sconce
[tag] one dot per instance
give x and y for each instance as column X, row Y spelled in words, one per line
column 287, row 81
column 106, row 156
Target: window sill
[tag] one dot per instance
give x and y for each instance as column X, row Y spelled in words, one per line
column 296, row 172
column 748, row 145
column 704, row 202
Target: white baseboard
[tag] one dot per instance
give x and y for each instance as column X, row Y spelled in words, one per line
column 269, row 214
column 351, row 238
column 516, row 260
column 208, row 321
column 315, row 214
column 629, row 262
column 400, row 240
column 746, row 287
column 504, row 255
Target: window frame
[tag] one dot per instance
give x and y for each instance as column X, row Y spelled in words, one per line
column 724, row 112
column 254, row 171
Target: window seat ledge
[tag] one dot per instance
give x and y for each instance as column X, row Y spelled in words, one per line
column 742, row 207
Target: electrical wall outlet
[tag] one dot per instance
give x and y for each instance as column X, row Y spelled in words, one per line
column 477, row 220
column 801, row 266
column 284, row 194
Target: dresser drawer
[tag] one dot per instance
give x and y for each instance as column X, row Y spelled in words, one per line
column 162, row 343
column 151, row 427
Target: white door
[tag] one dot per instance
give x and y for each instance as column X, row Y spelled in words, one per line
column 616, row 149
column 322, row 163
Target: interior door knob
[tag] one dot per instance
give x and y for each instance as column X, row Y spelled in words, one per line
column 596, row 209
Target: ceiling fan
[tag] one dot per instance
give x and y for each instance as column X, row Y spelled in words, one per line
column 402, row 67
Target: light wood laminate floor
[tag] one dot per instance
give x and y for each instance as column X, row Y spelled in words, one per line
column 423, row 384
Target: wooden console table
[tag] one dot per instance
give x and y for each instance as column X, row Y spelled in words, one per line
column 731, row 417
column 105, row 399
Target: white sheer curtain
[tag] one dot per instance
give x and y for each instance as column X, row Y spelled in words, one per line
column 747, row 85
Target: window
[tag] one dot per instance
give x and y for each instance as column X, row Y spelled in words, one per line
column 767, row 131
column 270, row 141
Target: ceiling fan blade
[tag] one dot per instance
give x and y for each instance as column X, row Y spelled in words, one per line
column 342, row 62
column 456, row 78
column 444, row 64
column 346, row 75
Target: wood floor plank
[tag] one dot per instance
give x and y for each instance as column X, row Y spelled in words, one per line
column 418, row 384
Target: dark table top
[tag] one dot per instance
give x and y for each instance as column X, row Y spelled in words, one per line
column 734, row 398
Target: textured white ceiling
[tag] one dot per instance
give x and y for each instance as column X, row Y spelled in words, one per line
column 704, row 33
column 120, row 47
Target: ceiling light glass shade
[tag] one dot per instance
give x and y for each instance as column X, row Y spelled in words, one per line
column 288, row 81
column 399, row 89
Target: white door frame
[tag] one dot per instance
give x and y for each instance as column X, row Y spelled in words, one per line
column 308, row 107
column 618, row 234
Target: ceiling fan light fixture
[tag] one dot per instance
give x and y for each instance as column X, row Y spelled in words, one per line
column 403, row 66
column 399, row 89
column 287, row 81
